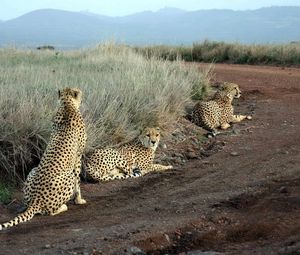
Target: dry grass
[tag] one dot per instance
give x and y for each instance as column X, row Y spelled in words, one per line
column 235, row 53
column 122, row 93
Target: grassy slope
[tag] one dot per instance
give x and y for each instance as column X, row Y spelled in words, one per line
column 122, row 93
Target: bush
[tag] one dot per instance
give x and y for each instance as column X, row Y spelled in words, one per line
column 122, row 92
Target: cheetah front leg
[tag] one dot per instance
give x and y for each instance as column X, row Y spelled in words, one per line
column 155, row 168
column 239, row 118
column 78, row 199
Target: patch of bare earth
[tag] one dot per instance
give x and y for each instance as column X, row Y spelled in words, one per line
column 235, row 194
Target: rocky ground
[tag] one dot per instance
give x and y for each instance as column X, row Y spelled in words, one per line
column 238, row 193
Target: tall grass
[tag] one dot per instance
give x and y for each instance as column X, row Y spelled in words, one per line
column 123, row 91
column 220, row 52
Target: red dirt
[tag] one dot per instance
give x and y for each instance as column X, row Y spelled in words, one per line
column 240, row 196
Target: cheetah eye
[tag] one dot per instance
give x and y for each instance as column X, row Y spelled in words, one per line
column 157, row 135
column 148, row 135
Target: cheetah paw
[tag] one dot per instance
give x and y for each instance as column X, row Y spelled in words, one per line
column 249, row 117
column 80, row 201
column 61, row 209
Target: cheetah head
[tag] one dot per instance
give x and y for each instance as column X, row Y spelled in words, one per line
column 71, row 94
column 232, row 89
column 150, row 137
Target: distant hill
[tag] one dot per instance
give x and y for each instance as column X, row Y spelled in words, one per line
column 167, row 26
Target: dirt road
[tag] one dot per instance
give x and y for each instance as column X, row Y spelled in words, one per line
column 242, row 198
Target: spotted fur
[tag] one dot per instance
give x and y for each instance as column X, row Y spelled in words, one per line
column 218, row 112
column 56, row 179
column 108, row 164
column 129, row 160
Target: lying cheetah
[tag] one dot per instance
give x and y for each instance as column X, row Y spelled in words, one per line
column 218, row 112
column 56, row 180
column 108, row 164
column 129, row 160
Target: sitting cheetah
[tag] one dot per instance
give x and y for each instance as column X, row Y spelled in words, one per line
column 129, row 160
column 56, row 180
column 218, row 112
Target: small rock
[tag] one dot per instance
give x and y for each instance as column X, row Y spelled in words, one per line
column 283, row 189
column 190, row 149
column 177, row 161
column 48, row 246
column 234, row 153
column 236, row 131
column 135, row 251
column 164, row 146
column 167, row 237
column 191, row 155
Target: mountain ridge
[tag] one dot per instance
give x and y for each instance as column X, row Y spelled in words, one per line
column 68, row 29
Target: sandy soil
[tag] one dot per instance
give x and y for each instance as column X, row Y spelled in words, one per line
column 240, row 195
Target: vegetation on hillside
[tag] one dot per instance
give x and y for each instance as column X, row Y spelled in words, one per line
column 122, row 92
column 234, row 53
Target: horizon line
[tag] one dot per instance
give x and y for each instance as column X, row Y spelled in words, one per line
column 153, row 11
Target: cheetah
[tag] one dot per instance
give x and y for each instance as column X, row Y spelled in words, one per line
column 218, row 112
column 56, row 179
column 131, row 159
column 106, row 164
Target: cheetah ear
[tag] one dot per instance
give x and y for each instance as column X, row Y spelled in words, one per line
column 140, row 129
column 223, row 85
column 59, row 93
column 75, row 94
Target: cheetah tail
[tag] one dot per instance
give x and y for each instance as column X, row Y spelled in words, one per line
column 23, row 217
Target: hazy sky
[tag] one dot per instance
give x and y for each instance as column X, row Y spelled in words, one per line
column 14, row 8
